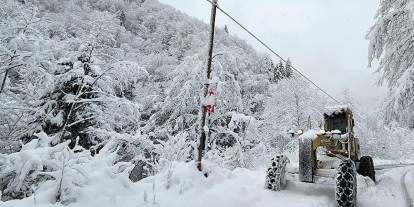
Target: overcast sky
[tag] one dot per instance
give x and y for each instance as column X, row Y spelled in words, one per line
column 325, row 39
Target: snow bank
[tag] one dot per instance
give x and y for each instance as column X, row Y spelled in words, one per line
column 180, row 184
column 388, row 190
column 58, row 174
column 35, row 163
column 409, row 183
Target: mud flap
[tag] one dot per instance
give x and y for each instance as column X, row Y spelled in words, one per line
column 305, row 160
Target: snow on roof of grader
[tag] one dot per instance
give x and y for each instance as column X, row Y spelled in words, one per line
column 336, row 109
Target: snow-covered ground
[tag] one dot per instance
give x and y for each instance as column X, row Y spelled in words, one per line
column 180, row 184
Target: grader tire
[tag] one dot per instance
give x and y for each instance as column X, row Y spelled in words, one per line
column 305, row 160
column 366, row 167
column 346, row 184
column 275, row 176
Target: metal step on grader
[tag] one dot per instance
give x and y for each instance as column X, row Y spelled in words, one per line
column 330, row 155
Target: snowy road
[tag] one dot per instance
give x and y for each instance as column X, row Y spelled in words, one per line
column 391, row 166
column 391, row 188
column 394, row 187
column 405, row 184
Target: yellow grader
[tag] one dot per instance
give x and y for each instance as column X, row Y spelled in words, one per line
column 325, row 155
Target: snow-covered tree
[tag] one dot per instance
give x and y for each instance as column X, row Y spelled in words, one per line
column 279, row 71
column 391, row 42
column 22, row 62
column 288, row 72
column 289, row 107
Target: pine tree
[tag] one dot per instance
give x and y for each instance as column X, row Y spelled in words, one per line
column 68, row 107
column 279, row 72
column 122, row 18
column 269, row 68
column 288, row 69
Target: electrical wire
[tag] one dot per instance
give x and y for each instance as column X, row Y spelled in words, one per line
column 273, row 51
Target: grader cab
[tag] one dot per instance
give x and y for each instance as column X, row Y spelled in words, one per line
column 340, row 124
column 331, row 153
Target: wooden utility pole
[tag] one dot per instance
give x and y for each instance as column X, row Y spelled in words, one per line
column 203, row 114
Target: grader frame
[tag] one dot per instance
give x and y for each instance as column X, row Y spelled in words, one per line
column 336, row 139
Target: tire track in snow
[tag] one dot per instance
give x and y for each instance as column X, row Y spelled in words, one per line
column 408, row 199
column 392, row 166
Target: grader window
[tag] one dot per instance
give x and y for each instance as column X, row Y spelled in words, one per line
column 336, row 122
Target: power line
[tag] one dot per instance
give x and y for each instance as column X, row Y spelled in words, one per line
column 272, row 51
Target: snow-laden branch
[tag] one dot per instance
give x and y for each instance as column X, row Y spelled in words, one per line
column 85, row 100
column 80, row 121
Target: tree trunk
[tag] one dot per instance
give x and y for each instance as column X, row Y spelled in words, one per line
column 4, row 81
